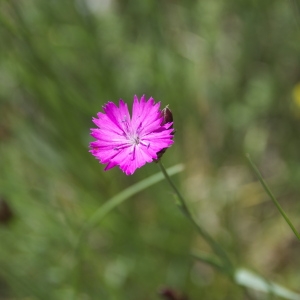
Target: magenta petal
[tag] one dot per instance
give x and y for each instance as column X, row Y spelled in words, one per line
column 130, row 142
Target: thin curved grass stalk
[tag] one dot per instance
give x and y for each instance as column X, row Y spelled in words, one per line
column 268, row 191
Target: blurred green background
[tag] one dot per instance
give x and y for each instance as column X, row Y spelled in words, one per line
column 230, row 71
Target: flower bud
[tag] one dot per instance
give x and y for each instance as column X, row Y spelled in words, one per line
column 167, row 116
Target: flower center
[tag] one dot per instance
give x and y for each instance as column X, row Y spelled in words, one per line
column 135, row 140
column 132, row 136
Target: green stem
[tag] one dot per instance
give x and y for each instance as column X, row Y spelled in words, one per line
column 185, row 210
column 268, row 191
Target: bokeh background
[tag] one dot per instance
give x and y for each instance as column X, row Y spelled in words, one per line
column 230, row 71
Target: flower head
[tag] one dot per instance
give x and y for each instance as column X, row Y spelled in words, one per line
column 130, row 142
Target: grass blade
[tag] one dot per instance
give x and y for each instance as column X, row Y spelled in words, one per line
column 268, row 191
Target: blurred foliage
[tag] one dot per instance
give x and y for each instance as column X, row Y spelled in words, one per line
column 230, row 71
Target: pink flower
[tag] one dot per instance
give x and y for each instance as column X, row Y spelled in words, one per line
column 128, row 142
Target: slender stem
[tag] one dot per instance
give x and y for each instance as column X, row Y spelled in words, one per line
column 185, row 210
column 268, row 191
